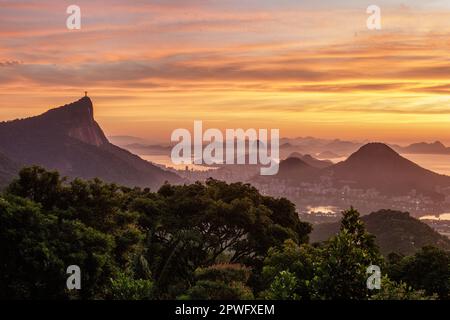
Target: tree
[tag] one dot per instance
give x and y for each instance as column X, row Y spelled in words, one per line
column 47, row 224
column 37, row 247
column 294, row 260
column 390, row 290
column 38, row 185
column 208, row 240
column 283, row 287
column 220, row 282
column 428, row 269
column 341, row 272
column 199, row 225
column 334, row 270
column 125, row 287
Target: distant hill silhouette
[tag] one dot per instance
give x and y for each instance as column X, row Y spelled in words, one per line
column 314, row 146
column 436, row 147
column 313, row 162
column 375, row 165
column 395, row 232
column 293, row 171
column 342, row 147
column 331, row 149
column 328, row 155
column 69, row 140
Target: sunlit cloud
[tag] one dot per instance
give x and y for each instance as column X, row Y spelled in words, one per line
column 312, row 69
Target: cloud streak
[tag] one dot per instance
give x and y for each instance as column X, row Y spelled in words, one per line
column 284, row 62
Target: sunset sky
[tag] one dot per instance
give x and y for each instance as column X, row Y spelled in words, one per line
column 309, row 68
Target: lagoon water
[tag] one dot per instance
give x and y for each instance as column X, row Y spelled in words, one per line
column 443, row 216
column 328, row 210
column 167, row 161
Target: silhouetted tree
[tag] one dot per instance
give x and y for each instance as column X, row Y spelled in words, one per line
column 220, row 282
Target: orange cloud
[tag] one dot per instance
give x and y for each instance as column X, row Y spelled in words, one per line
column 153, row 67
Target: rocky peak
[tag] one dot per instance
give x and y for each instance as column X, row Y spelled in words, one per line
column 77, row 120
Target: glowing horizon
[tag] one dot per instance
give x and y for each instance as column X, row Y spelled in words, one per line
column 310, row 70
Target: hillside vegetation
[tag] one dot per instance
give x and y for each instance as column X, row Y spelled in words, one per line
column 208, row 240
column 395, row 231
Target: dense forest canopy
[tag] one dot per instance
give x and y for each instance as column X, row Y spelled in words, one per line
column 208, row 240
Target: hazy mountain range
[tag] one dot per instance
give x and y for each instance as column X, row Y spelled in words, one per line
column 318, row 148
column 69, row 140
column 423, row 148
column 308, row 159
column 330, row 149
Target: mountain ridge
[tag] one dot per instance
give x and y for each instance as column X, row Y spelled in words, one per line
column 376, row 165
column 68, row 139
column 436, row 147
column 313, row 162
column 8, row 170
column 373, row 166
